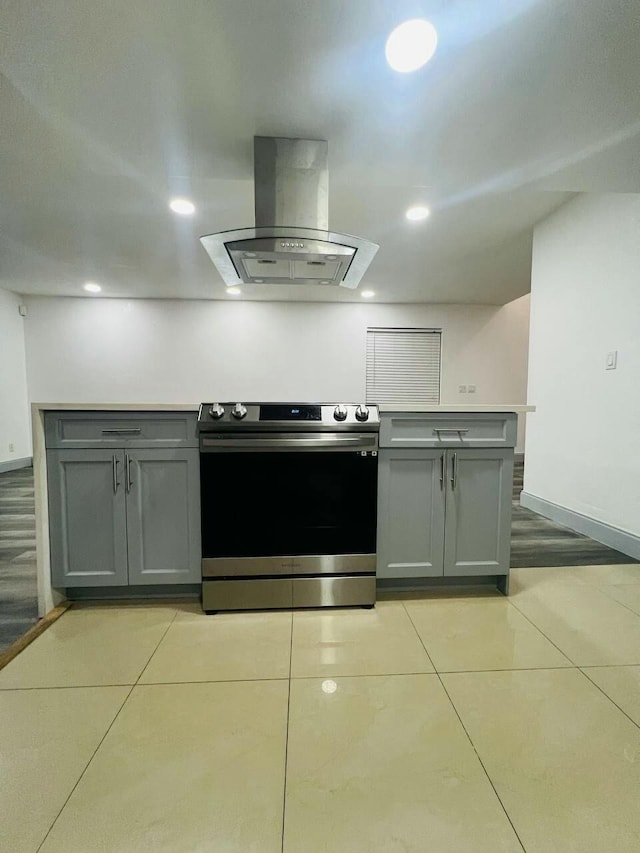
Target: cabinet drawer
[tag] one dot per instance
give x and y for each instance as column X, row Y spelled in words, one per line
column 412, row 429
column 121, row 429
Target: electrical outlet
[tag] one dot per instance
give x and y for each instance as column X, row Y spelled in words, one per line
column 612, row 360
column 462, row 389
column 472, row 389
column 12, row 448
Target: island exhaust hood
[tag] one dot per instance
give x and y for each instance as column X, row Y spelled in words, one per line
column 291, row 243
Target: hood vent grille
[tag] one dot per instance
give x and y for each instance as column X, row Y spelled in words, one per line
column 290, row 243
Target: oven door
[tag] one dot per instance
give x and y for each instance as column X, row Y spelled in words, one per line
column 286, row 497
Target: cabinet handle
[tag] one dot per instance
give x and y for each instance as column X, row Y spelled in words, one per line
column 442, row 471
column 123, row 431
column 460, row 432
column 454, row 470
column 116, row 484
column 128, row 472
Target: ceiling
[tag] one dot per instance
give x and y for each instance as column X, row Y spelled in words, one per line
column 109, row 109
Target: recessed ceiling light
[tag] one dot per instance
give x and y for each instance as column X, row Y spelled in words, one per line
column 92, row 287
column 368, row 294
column 234, row 291
column 182, row 206
column 417, row 213
column 411, row 45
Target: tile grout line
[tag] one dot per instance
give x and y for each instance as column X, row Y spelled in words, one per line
column 555, row 645
column 159, row 643
column 428, row 672
column 573, row 663
column 86, row 767
column 486, row 772
column 464, row 728
column 286, row 740
column 611, row 598
column 103, row 738
column 606, row 695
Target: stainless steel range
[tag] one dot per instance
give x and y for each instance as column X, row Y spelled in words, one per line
column 289, row 499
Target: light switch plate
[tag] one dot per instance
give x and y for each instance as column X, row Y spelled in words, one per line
column 612, row 360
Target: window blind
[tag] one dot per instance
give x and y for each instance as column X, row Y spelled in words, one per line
column 403, row 365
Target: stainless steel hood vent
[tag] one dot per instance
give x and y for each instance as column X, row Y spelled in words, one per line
column 291, row 243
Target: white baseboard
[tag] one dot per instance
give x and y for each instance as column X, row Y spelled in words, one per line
column 614, row 537
column 15, row 464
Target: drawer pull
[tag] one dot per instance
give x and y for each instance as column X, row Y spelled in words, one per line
column 460, row 432
column 122, row 431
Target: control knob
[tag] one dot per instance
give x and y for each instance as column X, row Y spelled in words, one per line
column 340, row 412
column 239, row 411
column 362, row 413
column 216, row 411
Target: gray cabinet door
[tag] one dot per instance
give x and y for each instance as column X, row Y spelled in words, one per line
column 478, row 519
column 163, row 516
column 411, row 513
column 87, row 520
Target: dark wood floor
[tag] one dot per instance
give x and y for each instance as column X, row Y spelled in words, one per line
column 18, row 587
column 538, row 542
column 535, row 542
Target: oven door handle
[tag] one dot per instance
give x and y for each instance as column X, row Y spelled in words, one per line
column 331, row 440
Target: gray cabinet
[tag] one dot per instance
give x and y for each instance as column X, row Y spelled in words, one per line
column 445, row 512
column 410, row 513
column 87, row 517
column 163, row 516
column 123, row 516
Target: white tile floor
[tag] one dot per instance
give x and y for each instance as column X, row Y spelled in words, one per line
column 433, row 723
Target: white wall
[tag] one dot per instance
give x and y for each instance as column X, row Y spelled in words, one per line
column 583, row 443
column 14, row 409
column 92, row 350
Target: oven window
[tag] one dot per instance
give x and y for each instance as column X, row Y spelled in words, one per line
column 287, row 504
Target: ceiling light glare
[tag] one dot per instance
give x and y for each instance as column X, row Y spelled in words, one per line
column 182, row 206
column 367, row 294
column 234, row 291
column 92, row 287
column 417, row 213
column 411, row 45
column 329, row 686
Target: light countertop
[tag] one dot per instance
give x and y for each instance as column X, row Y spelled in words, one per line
column 518, row 408
column 115, row 407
